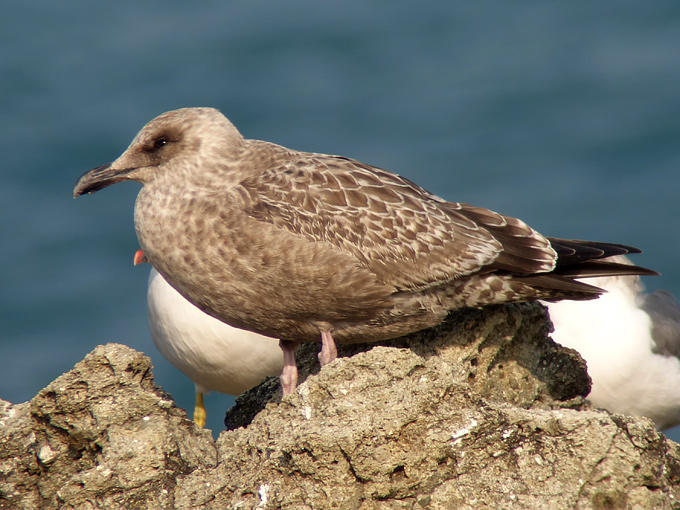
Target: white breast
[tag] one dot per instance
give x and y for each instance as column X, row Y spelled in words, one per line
column 614, row 336
column 214, row 355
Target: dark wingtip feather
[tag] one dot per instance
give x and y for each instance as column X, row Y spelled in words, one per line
column 597, row 268
column 573, row 251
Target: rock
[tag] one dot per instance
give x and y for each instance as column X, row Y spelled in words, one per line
column 483, row 411
column 501, row 351
column 100, row 436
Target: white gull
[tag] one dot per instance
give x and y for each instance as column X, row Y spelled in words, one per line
column 631, row 343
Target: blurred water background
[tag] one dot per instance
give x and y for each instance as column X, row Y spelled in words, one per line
column 565, row 114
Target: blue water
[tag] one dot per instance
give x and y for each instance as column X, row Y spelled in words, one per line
column 566, row 115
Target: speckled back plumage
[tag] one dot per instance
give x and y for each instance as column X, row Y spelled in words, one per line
column 288, row 243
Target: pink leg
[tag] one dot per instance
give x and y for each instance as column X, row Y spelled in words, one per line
column 328, row 349
column 289, row 375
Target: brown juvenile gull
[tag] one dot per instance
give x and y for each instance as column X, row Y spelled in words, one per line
column 301, row 246
column 213, row 354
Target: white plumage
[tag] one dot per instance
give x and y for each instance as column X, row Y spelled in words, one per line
column 214, row 355
column 631, row 343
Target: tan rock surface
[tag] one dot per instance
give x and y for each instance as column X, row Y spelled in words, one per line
column 481, row 412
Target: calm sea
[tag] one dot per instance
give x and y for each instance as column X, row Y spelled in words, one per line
column 564, row 114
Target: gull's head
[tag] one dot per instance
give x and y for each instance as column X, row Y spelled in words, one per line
column 179, row 140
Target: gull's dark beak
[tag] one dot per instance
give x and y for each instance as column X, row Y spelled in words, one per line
column 98, row 178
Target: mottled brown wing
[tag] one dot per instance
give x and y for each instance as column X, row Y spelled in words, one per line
column 404, row 234
column 524, row 251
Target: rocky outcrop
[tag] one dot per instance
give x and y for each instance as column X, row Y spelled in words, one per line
column 483, row 411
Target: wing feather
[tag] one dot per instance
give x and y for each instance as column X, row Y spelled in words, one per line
column 409, row 237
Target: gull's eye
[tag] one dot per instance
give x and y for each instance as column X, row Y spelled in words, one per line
column 160, row 142
column 156, row 144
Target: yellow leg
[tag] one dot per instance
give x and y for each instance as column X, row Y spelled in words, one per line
column 199, row 410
